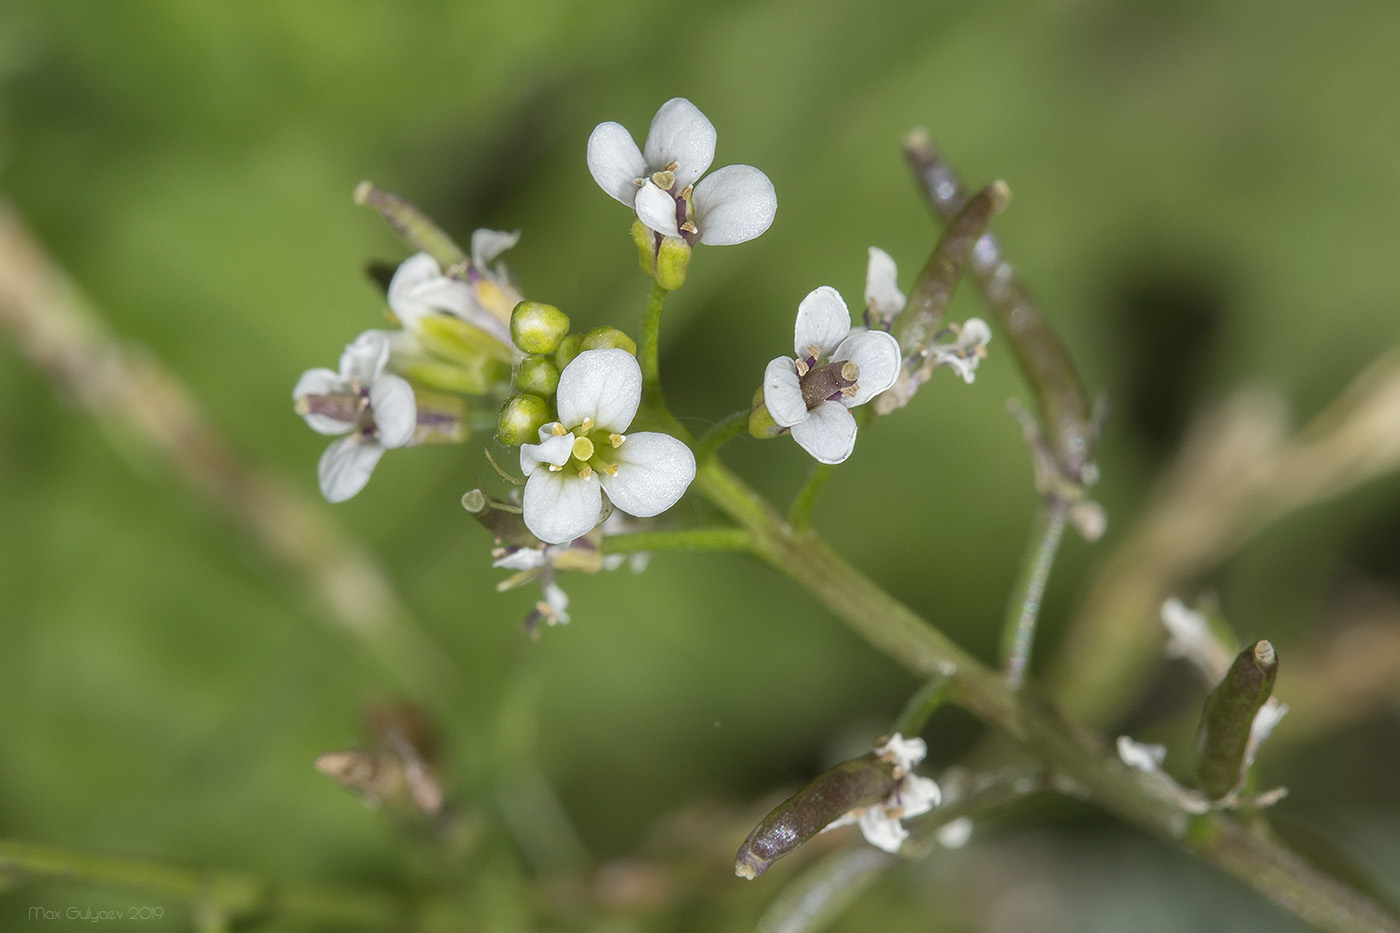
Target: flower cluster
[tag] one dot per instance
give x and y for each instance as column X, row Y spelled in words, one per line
column 468, row 342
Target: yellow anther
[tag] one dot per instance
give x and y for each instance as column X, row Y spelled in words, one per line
column 583, row 448
column 555, row 468
column 585, row 471
column 559, row 430
column 586, row 426
column 802, row 367
column 610, row 469
column 687, row 191
column 616, row 439
column 688, row 227
column 672, row 166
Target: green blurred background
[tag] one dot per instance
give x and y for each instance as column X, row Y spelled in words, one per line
column 1204, row 196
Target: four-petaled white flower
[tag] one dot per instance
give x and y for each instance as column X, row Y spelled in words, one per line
column 913, row 795
column 374, row 409
column 734, row 204
column 883, row 299
column 585, row 453
column 968, row 348
column 835, row 370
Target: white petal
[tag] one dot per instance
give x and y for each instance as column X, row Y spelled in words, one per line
column 657, row 209
column 605, row 385
column 395, row 411
column 488, row 244
column 782, row 392
column 822, row 321
column 322, row 382
column 881, row 830
column 615, row 161
column 975, row 333
column 560, row 507
column 364, row 359
column 735, row 204
column 653, row 472
column 1141, row 756
column 525, row 558
column 917, row 795
column 555, row 450
column 557, row 601
column 680, row 133
column 882, row 285
column 828, row 434
column 905, row 753
column 346, row 466
column 876, row 353
column 955, row 834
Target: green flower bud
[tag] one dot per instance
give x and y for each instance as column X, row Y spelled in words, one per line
column 761, row 423
column 672, row 259
column 608, row 338
column 645, row 239
column 537, row 328
column 569, row 348
column 521, row 418
column 455, row 357
column 1228, row 717
column 537, row 375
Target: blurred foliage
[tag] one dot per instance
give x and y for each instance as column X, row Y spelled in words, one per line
column 1204, row 196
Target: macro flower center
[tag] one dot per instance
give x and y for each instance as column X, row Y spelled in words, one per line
column 586, row 454
column 828, row 383
column 351, row 407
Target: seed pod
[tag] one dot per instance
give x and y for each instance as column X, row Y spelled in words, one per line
column 1229, row 715
column 856, row 783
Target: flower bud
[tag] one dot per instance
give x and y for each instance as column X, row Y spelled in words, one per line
column 608, row 338
column 569, row 348
column 537, row 327
column 672, row 259
column 521, row 418
column 645, row 238
column 1228, row 717
column 537, row 375
column 761, row 423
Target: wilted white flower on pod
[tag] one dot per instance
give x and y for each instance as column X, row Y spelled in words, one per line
column 419, row 289
column 883, row 299
column 834, row 371
column 734, row 204
column 586, row 452
column 913, row 795
column 374, row 409
column 967, row 349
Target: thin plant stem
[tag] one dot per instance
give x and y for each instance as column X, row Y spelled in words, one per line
column 679, row 539
column 1083, row 758
column 649, row 355
column 1023, row 608
column 720, row 434
column 800, row 515
column 226, row 895
column 923, row 704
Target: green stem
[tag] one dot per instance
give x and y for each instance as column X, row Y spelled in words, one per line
column 800, row 515
column 1078, row 755
column 679, row 539
column 720, row 434
column 221, row 893
column 923, row 704
column 1023, row 608
column 649, row 355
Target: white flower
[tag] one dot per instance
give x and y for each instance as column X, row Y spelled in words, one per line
column 913, row 795
column 1140, row 756
column 419, row 289
column 833, row 373
column 883, row 299
column 967, row 349
column 585, row 453
column 375, row 409
column 734, row 204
